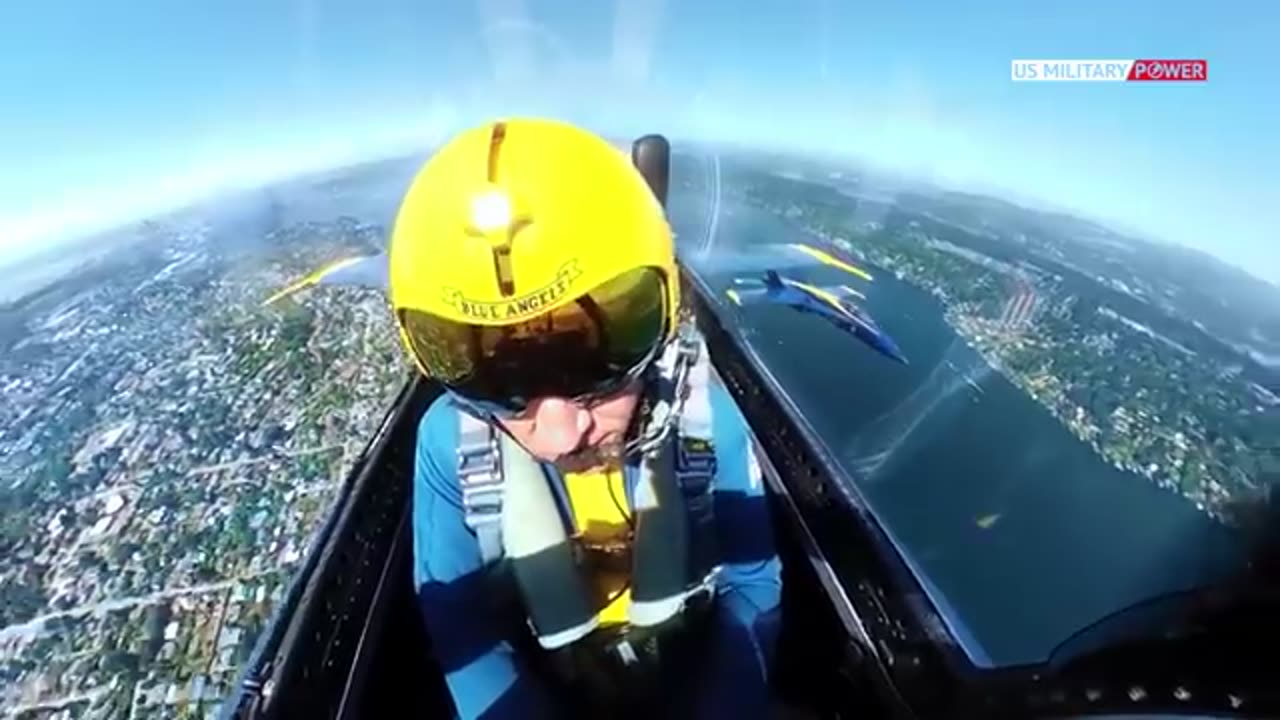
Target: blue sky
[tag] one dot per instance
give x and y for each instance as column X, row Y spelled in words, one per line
column 116, row 109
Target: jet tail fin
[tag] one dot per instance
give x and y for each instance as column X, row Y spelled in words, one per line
column 772, row 278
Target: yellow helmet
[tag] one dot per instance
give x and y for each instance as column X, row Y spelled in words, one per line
column 531, row 257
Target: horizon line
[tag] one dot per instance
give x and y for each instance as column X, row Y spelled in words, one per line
column 69, row 237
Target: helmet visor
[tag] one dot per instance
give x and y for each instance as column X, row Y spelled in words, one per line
column 589, row 348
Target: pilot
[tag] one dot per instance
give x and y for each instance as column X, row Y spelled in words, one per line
column 590, row 532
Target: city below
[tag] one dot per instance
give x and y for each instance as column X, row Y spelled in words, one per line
column 169, row 446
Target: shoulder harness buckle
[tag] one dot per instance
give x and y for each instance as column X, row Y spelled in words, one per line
column 480, row 478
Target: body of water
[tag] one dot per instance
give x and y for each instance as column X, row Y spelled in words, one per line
column 1024, row 532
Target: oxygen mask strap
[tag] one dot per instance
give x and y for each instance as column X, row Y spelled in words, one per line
column 668, row 380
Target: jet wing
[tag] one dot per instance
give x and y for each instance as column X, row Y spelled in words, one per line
column 752, row 291
column 833, row 295
column 746, row 296
column 775, row 256
column 359, row 271
column 827, row 258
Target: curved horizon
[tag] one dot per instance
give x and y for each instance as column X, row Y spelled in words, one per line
column 184, row 105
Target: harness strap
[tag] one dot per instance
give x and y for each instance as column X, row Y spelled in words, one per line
column 696, row 467
column 480, row 478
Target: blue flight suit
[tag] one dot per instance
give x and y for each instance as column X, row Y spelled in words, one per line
column 488, row 678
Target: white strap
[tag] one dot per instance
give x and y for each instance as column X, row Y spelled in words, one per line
column 695, row 416
column 480, row 478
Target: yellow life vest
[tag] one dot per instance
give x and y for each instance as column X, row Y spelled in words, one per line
column 603, row 523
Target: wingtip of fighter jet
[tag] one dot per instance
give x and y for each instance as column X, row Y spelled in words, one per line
column 826, row 258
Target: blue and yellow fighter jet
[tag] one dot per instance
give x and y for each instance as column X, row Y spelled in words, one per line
column 825, row 303
column 368, row 271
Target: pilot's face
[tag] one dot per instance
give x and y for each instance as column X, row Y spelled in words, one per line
column 573, row 436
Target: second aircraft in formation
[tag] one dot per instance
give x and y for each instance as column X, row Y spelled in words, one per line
column 835, row 305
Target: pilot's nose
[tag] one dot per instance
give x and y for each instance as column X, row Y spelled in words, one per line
column 559, row 425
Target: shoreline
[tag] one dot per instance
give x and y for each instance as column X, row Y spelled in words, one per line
column 959, row 322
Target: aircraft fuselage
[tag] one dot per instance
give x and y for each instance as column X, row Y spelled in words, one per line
column 840, row 313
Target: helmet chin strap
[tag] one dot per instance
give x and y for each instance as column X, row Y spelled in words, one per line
column 658, row 411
